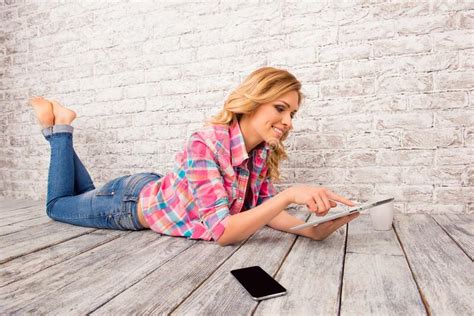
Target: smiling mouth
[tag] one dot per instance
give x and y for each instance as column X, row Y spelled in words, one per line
column 278, row 132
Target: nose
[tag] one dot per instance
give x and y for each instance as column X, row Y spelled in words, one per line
column 287, row 121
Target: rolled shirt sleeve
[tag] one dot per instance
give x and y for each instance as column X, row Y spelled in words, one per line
column 267, row 190
column 206, row 185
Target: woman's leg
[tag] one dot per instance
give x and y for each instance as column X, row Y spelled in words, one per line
column 82, row 179
column 61, row 165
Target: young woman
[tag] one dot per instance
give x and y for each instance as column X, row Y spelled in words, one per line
column 221, row 187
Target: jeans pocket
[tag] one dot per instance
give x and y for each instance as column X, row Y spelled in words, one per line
column 110, row 187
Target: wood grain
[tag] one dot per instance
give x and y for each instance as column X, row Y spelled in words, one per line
column 461, row 228
column 375, row 271
column 312, row 275
column 442, row 270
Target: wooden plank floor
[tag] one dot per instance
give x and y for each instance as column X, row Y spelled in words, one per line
column 422, row 266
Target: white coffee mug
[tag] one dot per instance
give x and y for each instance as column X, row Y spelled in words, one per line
column 382, row 216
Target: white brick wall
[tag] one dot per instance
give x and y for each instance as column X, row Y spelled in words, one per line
column 389, row 88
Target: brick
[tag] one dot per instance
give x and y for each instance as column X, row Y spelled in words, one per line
column 238, row 32
column 164, row 44
column 375, row 140
column 454, row 118
column 430, row 208
column 431, row 138
column 454, row 40
column 305, row 125
column 319, row 176
column 402, row 45
column 399, row 9
column 466, row 20
column 306, row 159
column 451, row 5
column 375, row 175
column 349, row 159
column 468, row 137
column 262, row 44
column 347, row 88
column 445, row 175
column 218, row 82
column 466, row 60
column 460, row 156
column 317, row 73
column 366, row 31
column 454, row 80
column 293, row 56
column 406, row 193
column 405, row 157
column 313, row 38
column 322, row 108
column 319, row 141
column 454, row 195
column 297, row 8
column 425, row 25
column 178, row 86
column 369, row 68
column 378, row 104
column 110, row 94
column 217, row 51
column 428, row 63
column 346, row 123
column 404, row 84
column 403, row 120
column 443, row 100
column 340, row 52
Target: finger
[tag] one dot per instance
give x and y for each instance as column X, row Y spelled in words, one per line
column 336, row 197
column 321, row 207
column 326, row 201
column 312, row 206
column 333, row 204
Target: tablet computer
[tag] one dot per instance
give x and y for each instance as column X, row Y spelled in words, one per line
column 341, row 214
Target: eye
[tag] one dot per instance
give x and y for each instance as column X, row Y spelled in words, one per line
column 279, row 108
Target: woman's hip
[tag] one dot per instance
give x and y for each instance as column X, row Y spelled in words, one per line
column 112, row 206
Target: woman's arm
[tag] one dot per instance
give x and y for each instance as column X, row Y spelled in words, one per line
column 240, row 226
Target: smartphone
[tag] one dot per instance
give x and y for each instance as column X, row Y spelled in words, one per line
column 258, row 283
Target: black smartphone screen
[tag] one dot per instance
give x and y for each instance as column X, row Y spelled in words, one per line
column 258, row 283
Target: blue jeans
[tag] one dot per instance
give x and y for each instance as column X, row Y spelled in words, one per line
column 72, row 197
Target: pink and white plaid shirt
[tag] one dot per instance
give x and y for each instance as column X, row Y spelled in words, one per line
column 207, row 184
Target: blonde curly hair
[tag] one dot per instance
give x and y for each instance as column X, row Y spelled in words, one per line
column 263, row 85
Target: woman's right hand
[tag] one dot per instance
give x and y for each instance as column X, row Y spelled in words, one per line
column 319, row 200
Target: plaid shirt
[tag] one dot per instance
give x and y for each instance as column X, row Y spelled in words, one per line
column 207, row 184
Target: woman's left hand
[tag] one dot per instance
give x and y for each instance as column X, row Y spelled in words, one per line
column 323, row 230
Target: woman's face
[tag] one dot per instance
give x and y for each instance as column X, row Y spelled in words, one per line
column 270, row 121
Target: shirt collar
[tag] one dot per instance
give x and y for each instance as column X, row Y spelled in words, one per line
column 237, row 145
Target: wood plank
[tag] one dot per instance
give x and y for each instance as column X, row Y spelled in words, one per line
column 312, row 275
column 36, row 210
column 16, row 227
column 38, row 237
column 89, row 280
column 461, row 228
column 12, row 204
column 35, row 262
column 221, row 294
column 18, row 216
column 442, row 270
column 377, row 278
column 179, row 278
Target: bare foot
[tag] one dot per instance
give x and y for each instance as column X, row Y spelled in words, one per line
column 43, row 110
column 62, row 115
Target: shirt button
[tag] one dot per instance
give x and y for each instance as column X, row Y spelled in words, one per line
column 240, row 198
